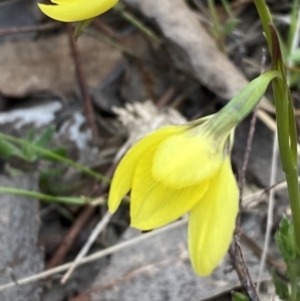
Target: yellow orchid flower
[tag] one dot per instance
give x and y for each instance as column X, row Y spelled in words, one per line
column 186, row 168
column 180, row 169
column 76, row 10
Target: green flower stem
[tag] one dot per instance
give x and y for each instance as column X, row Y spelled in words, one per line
column 136, row 22
column 265, row 18
column 55, row 157
column 288, row 152
column 45, row 197
column 216, row 23
column 214, row 17
column 285, row 118
column 242, row 104
column 228, row 8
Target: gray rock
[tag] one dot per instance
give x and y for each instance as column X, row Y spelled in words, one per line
column 19, row 225
column 159, row 269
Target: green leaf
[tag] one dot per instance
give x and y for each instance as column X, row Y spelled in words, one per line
column 229, row 26
column 48, row 177
column 56, row 157
column 81, row 26
column 284, row 238
column 7, row 150
column 239, row 297
column 30, row 135
column 281, row 287
column 42, row 140
column 45, row 137
column 28, row 152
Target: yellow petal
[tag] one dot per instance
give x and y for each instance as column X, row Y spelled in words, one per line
column 186, row 159
column 153, row 205
column 76, row 10
column 212, row 221
column 123, row 176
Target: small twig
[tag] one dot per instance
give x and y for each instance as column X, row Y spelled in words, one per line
column 247, row 153
column 276, row 187
column 26, row 29
column 241, row 181
column 94, row 256
column 98, row 229
column 86, row 296
column 235, row 250
column 270, row 211
column 250, row 138
column 82, row 84
column 242, row 270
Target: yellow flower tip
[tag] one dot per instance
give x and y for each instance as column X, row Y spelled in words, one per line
column 212, row 221
column 76, row 10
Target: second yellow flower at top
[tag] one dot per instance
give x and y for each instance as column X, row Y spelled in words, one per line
column 76, row 10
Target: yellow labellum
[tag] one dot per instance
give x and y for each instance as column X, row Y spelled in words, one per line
column 76, row 10
column 180, row 169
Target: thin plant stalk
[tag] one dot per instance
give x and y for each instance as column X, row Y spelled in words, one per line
column 136, row 22
column 216, row 27
column 55, row 157
column 285, row 118
column 45, row 197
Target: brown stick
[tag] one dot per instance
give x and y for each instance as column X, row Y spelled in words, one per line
column 235, row 250
column 32, row 28
column 82, row 84
column 242, row 270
